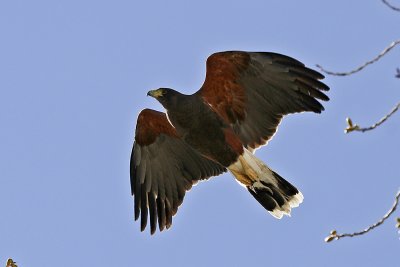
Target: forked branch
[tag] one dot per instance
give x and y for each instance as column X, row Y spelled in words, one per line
column 384, row 52
column 335, row 236
column 354, row 127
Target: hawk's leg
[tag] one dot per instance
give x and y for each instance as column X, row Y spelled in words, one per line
column 248, row 171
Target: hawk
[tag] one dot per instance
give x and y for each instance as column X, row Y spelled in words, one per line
column 237, row 110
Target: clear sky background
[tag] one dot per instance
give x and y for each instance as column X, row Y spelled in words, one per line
column 74, row 76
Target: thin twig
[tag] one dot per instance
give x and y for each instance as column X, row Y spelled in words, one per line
column 395, row 8
column 335, row 236
column 384, row 52
column 354, row 127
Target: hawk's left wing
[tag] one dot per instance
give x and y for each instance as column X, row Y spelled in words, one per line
column 252, row 91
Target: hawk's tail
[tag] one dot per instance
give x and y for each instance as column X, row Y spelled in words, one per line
column 273, row 192
column 279, row 198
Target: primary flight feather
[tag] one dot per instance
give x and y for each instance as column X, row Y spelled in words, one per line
column 238, row 109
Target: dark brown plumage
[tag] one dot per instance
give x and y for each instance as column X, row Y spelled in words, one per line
column 238, row 108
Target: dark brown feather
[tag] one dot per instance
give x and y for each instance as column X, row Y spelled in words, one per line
column 153, row 212
column 143, row 209
column 161, row 214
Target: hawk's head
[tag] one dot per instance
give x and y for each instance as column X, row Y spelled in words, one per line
column 166, row 96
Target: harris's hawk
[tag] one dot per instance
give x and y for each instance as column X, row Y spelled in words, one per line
column 238, row 109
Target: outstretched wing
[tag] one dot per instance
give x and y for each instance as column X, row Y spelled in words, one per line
column 162, row 169
column 252, row 91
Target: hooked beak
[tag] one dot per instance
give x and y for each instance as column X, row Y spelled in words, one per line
column 155, row 93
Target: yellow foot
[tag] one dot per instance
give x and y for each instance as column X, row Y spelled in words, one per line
column 243, row 179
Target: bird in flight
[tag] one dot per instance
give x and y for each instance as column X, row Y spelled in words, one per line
column 237, row 110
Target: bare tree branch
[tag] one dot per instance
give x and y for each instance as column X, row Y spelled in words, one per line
column 384, row 52
column 335, row 236
column 395, row 8
column 354, row 127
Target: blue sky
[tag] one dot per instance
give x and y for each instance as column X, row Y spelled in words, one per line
column 74, row 76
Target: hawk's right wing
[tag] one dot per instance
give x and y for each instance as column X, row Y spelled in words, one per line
column 162, row 169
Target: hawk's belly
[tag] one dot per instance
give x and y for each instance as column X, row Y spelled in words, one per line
column 208, row 134
column 218, row 145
